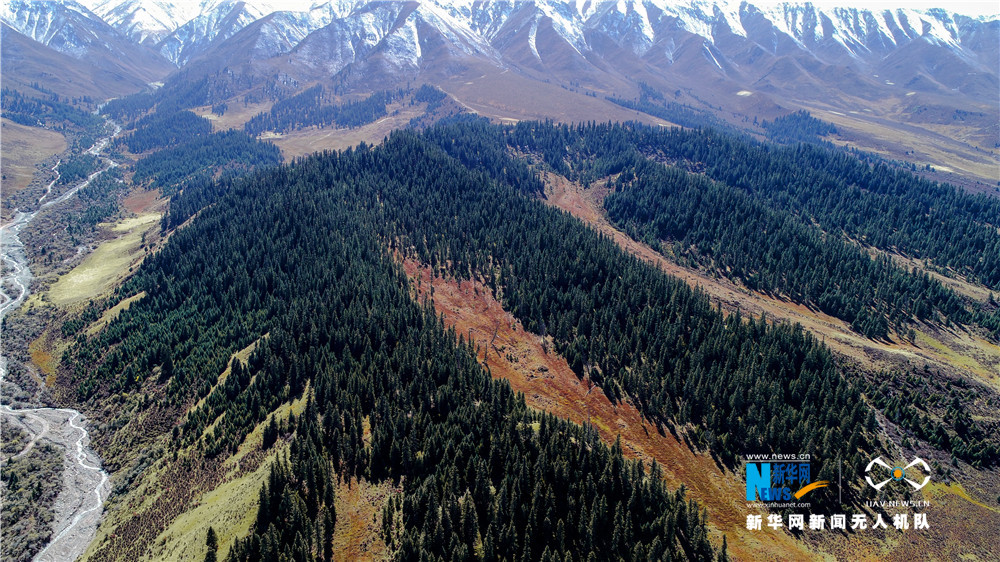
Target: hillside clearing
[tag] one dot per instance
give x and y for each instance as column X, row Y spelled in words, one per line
column 107, row 264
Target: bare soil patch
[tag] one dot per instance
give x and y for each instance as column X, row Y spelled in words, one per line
column 141, row 201
column 358, row 532
column 531, row 366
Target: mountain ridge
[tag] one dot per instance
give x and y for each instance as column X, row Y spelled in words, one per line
column 734, row 61
column 857, row 32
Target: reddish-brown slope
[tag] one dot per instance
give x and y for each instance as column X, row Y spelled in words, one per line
column 531, row 366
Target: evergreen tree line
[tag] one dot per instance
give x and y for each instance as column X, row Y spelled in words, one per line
column 774, row 251
column 100, row 202
column 300, row 253
column 129, row 108
column 429, row 94
column 306, row 110
column 482, row 476
column 194, row 194
column 937, row 413
column 630, row 328
column 797, row 127
column 200, row 190
column 77, row 167
column 33, row 111
column 297, row 253
column 832, row 194
column 180, row 92
column 878, row 204
column 233, row 151
column 165, row 129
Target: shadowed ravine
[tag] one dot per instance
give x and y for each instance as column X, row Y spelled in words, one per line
column 78, row 508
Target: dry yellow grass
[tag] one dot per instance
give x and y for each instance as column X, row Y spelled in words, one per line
column 358, row 532
column 487, row 95
column 210, row 494
column 961, row 528
column 112, row 313
column 307, row 141
column 23, row 148
column 937, row 145
column 509, row 97
column 230, row 509
column 236, row 114
column 43, row 358
column 105, row 266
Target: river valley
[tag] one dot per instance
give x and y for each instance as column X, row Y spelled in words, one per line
column 79, row 505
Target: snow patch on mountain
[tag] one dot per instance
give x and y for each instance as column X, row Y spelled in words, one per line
column 402, row 47
column 533, row 37
column 182, row 30
column 48, row 23
column 458, row 33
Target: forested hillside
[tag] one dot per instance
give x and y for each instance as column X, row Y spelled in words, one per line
column 775, row 251
column 552, row 281
column 302, row 254
column 228, row 151
column 305, row 259
column 307, row 109
column 163, row 129
column 793, row 221
column 41, row 111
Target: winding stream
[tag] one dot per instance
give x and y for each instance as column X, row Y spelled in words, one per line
column 78, row 508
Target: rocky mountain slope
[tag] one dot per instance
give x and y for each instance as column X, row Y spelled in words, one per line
column 758, row 46
column 920, row 86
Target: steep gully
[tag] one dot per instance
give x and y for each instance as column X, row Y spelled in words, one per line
column 78, row 508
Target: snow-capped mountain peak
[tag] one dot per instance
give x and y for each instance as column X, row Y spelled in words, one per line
column 51, row 24
column 724, row 30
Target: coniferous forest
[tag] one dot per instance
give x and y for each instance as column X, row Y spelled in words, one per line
column 306, row 109
column 795, row 221
column 341, row 322
column 52, row 110
column 304, row 259
column 517, row 281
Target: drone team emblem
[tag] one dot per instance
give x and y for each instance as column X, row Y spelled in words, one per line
column 897, row 473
